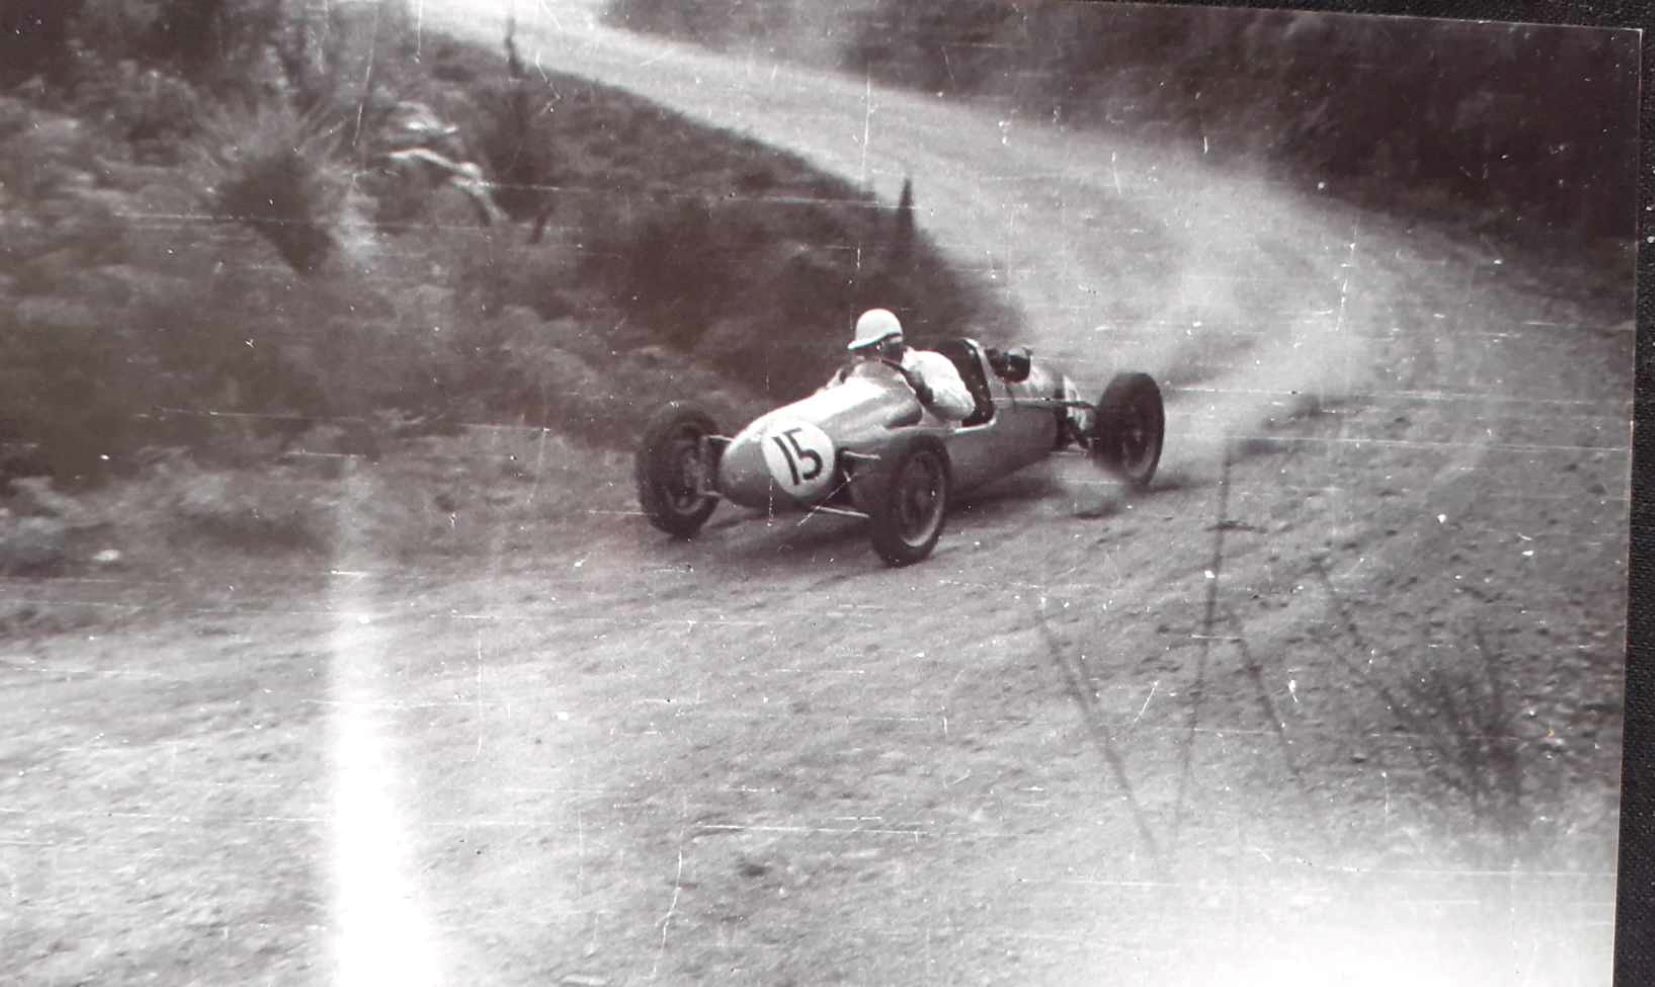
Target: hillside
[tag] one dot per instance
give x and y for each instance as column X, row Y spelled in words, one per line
column 376, row 236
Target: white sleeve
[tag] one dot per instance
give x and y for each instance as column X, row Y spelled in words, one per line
column 948, row 390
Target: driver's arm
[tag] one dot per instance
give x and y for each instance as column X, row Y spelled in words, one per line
column 949, row 397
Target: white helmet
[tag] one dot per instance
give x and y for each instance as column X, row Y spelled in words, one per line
column 874, row 327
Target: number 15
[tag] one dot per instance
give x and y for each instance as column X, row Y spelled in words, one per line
column 789, row 445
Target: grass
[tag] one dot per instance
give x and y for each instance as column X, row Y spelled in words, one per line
column 713, row 206
column 1481, row 772
column 227, row 273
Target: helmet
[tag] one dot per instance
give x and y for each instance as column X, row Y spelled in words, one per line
column 875, row 326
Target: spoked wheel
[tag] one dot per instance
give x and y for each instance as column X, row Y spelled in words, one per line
column 909, row 510
column 1129, row 428
column 675, row 468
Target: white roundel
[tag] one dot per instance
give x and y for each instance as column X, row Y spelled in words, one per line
column 800, row 458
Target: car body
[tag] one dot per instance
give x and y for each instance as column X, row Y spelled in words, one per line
column 865, row 446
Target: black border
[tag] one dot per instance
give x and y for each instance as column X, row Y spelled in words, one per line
column 1635, row 907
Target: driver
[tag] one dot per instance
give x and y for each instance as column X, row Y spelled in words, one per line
column 933, row 376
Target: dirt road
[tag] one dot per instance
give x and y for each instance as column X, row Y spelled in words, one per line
column 1336, row 702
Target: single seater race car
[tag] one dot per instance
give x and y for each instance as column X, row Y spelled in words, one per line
column 868, row 448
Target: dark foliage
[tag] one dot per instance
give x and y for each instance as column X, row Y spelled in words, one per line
column 34, row 37
column 902, row 237
column 767, row 288
column 1522, row 130
column 709, row 22
column 57, row 401
column 682, row 261
column 188, row 31
column 278, row 195
column 517, row 143
column 202, row 37
column 1532, row 128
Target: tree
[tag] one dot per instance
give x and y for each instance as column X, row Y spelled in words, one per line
column 902, row 238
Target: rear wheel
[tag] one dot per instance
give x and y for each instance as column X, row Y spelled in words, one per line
column 1129, row 428
column 675, row 468
column 910, row 504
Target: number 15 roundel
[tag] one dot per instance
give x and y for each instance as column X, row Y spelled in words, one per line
column 800, row 458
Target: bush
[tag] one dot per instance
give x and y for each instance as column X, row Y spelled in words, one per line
column 353, row 61
column 116, row 339
column 57, row 358
column 58, row 391
column 246, row 512
column 30, row 545
column 117, row 30
column 202, row 36
column 716, row 23
column 1535, row 122
column 285, row 198
column 516, row 143
column 766, row 290
column 275, row 171
column 670, row 267
column 156, row 112
column 222, row 44
column 34, row 37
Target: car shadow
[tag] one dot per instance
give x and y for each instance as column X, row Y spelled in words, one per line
column 1009, row 493
column 757, row 543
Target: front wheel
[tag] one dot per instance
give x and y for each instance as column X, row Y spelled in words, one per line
column 909, row 506
column 675, row 468
column 1129, row 428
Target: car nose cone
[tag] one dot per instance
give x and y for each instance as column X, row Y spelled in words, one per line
column 777, row 460
column 743, row 477
column 789, row 456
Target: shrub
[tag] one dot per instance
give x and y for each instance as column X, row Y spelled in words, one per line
column 153, row 110
column 58, row 391
column 30, row 545
column 719, row 23
column 107, row 350
column 34, row 37
column 354, row 61
column 58, row 361
column 516, row 142
column 670, row 266
column 248, row 513
column 117, row 30
column 275, row 171
column 200, row 36
column 1536, row 122
column 210, row 42
column 765, row 289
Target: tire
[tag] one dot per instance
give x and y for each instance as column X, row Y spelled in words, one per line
column 675, row 468
column 908, row 503
column 1129, row 429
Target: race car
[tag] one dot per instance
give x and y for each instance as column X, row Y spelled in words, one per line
column 868, row 448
